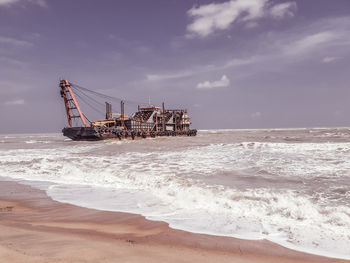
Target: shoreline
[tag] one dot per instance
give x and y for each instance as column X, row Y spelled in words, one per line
column 36, row 228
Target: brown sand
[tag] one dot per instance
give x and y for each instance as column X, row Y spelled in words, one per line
column 34, row 228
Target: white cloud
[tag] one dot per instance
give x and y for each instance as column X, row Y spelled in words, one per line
column 240, row 62
column 160, row 77
column 276, row 50
column 14, row 42
column 255, row 115
column 211, row 17
column 283, row 10
column 219, row 16
column 223, row 82
column 329, row 59
column 8, row 3
column 14, row 102
column 310, row 42
column 12, row 61
column 235, row 62
column 251, row 25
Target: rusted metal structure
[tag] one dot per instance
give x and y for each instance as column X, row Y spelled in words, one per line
column 149, row 121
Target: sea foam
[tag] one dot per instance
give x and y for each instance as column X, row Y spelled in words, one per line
column 292, row 193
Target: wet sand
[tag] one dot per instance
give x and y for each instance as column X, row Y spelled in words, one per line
column 34, row 228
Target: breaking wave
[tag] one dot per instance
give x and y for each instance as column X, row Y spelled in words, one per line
column 248, row 189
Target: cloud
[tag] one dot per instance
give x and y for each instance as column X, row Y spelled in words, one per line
column 283, row 10
column 12, row 62
column 310, row 42
column 8, row 3
column 14, row 102
column 219, row 16
column 14, row 42
column 211, row 17
column 235, row 62
column 329, row 59
column 221, row 83
column 240, row 62
column 274, row 50
column 256, row 115
column 160, row 77
column 251, row 25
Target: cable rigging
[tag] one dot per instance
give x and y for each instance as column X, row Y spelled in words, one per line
column 107, row 96
column 92, row 99
column 89, row 104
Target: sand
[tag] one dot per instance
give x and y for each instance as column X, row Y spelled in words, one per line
column 34, row 228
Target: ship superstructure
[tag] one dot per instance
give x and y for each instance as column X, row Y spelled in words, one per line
column 148, row 121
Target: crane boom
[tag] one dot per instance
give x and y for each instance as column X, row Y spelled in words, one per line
column 71, row 103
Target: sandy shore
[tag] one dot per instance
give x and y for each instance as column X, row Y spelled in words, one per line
column 34, row 228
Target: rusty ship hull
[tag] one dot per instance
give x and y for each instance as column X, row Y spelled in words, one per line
column 93, row 134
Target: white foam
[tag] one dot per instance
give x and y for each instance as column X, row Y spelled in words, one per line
column 31, row 141
column 278, row 217
column 179, row 187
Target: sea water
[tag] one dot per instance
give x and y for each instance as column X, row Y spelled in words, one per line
column 289, row 186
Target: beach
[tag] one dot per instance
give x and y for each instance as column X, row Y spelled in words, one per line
column 35, row 228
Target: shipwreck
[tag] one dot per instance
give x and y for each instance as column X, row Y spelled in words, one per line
column 147, row 121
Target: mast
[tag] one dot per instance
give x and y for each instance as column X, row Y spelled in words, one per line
column 122, row 112
column 108, row 111
column 163, row 117
column 70, row 103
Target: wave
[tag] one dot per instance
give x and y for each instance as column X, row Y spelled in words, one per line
column 248, row 189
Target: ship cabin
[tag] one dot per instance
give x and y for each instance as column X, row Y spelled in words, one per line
column 149, row 118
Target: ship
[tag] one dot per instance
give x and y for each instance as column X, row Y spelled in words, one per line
column 147, row 122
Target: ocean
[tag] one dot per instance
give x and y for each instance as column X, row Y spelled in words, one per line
column 289, row 186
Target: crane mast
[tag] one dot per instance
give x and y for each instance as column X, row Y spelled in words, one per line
column 71, row 104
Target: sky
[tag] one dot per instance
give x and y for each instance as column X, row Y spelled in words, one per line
column 232, row 64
